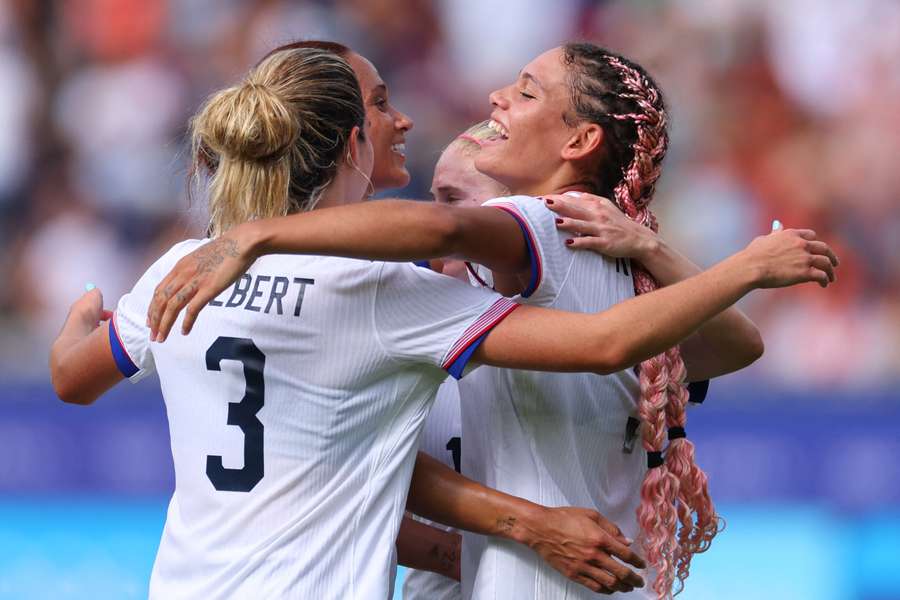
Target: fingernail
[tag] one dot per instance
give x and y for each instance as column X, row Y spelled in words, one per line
column 89, row 286
column 548, row 201
column 569, row 242
column 629, row 541
column 559, row 221
column 776, row 225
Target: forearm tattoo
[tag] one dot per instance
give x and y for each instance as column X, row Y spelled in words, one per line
column 214, row 254
column 506, row 524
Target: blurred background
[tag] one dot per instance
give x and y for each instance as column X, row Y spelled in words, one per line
column 780, row 109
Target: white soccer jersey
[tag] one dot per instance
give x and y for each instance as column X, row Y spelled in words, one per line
column 294, row 409
column 440, row 439
column 555, row 439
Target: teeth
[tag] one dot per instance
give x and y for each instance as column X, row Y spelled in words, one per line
column 399, row 148
column 499, row 129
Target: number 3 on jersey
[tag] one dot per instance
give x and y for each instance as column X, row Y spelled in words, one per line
column 241, row 414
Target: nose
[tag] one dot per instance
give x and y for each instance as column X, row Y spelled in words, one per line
column 402, row 121
column 498, row 98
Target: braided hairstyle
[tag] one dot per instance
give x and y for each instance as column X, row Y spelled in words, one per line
column 619, row 95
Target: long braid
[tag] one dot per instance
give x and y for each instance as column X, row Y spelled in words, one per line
column 620, row 96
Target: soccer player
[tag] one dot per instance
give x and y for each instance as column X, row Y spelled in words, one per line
column 456, row 182
column 578, row 118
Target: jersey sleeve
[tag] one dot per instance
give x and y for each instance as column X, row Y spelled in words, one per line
column 550, row 259
column 129, row 336
column 423, row 317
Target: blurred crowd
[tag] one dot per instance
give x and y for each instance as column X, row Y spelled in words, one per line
column 787, row 110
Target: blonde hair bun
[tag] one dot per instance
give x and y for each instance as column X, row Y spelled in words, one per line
column 248, row 122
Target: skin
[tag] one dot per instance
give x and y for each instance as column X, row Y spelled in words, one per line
column 386, row 126
column 541, row 154
column 456, row 182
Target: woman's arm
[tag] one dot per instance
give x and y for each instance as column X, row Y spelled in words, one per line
column 390, row 230
column 726, row 343
column 427, row 548
column 81, row 360
column 641, row 327
column 579, row 543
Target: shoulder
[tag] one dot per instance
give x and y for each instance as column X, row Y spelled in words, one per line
column 520, row 203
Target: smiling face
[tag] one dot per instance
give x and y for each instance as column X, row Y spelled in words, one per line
column 387, row 126
column 532, row 136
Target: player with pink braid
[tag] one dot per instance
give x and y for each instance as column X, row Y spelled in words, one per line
column 674, row 491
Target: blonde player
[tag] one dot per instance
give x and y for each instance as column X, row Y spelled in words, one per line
column 455, row 183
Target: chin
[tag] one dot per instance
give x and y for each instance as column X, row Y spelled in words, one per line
column 390, row 177
column 398, row 179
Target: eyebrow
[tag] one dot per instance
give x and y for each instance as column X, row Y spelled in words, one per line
column 378, row 89
column 527, row 75
column 447, row 189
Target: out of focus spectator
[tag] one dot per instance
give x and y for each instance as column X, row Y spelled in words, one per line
column 779, row 110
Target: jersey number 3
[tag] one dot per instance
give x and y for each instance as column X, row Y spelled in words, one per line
column 241, row 414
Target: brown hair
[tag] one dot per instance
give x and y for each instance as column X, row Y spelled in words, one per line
column 271, row 144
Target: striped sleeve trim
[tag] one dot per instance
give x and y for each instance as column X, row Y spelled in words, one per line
column 460, row 353
column 120, row 354
column 537, row 270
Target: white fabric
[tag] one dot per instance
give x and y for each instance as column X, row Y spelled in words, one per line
column 347, row 384
column 441, row 433
column 555, row 439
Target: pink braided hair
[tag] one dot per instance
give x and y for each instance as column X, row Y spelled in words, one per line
column 675, row 492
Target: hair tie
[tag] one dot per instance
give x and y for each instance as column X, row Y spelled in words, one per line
column 676, row 432
column 654, row 459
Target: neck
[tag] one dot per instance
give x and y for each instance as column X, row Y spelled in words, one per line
column 559, row 183
column 342, row 190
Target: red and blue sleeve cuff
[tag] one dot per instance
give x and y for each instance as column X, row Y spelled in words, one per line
column 531, row 243
column 120, row 354
column 465, row 346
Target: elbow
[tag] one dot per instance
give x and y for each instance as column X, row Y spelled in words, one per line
column 70, row 395
column 754, row 347
column 65, row 388
column 612, row 358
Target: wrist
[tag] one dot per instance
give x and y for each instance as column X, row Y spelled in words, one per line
column 520, row 526
column 748, row 273
column 651, row 247
column 253, row 239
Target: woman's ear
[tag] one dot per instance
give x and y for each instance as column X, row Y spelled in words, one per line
column 585, row 142
column 353, row 144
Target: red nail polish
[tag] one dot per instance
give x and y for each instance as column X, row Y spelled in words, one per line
column 548, row 201
column 559, row 221
column 569, row 242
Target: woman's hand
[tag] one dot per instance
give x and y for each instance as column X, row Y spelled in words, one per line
column 790, row 256
column 198, row 278
column 86, row 313
column 585, row 547
column 597, row 224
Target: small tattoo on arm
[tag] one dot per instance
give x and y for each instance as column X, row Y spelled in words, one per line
column 506, row 524
column 214, row 254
